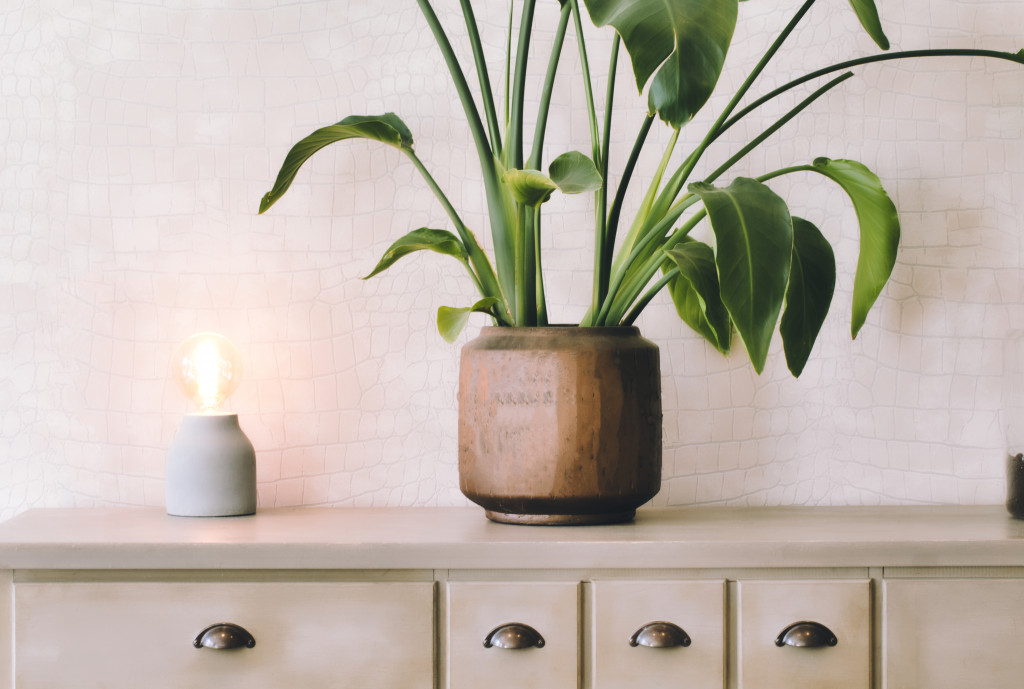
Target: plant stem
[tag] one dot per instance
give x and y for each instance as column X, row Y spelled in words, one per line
column 508, row 62
column 595, row 137
column 620, row 193
column 515, row 135
column 634, row 281
column 549, row 84
column 600, row 275
column 542, row 304
column 884, row 57
column 482, row 75
column 646, row 299
column 605, row 247
column 501, row 233
column 742, row 153
column 484, row 275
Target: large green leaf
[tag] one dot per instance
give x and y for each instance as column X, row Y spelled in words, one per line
column 753, row 249
column 441, row 241
column 387, row 128
column 812, row 281
column 685, row 41
column 879, row 231
column 695, row 292
column 867, row 13
column 574, row 173
column 451, row 321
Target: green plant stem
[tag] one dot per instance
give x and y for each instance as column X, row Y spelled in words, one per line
column 501, row 233
column 778, row 124
column 515, row 135
column 549, row 85
column 508, row 63
column 604, row 248
column 482, row 75
column 595, row 136
column 620, row 276
column 484, row 275
column 628, row 252
column 649, row 295
column 635, row 281
column 542, row 305
column 620, row 192
column 599, row 274
column 526, row 267
column 885, row 57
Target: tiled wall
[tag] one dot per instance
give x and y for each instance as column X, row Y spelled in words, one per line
column 137, row 138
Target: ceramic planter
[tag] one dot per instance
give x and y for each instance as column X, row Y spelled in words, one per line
column 560, row 424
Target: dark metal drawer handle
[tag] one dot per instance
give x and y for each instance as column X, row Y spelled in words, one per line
column 514, row 635
column 224, row 635
column 806, row 635
column 660, row 635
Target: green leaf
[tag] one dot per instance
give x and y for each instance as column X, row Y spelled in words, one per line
column 387, row 128
column 529, row 187
column 695, row 292
column 812, row 281
column 879, row 231
column 451, row 321
column 753, row 249
column 574, row 173
column 685, row 41
column 441, row 241
column 867, row 13
column 571, row 173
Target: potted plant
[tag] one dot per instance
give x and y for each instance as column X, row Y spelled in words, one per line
column 562, row 424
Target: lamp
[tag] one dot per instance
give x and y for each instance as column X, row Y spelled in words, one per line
column 211, row 465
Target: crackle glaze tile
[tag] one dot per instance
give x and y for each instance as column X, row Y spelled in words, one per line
column 138, row 137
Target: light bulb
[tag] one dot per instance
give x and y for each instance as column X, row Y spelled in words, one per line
column 211, row 465
column 208, row 368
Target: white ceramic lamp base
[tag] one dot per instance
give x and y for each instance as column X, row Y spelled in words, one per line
column 211, row 468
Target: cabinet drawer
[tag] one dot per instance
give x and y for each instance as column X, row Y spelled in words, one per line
column 621, row 609
column 767, row 608
column 953, row 633
column 130, row 635
column 477, row 609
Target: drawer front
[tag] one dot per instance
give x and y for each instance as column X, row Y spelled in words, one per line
column 767, row 608
column 130, row 635
column 476, row 609
column 953, row 633
column 621, row 609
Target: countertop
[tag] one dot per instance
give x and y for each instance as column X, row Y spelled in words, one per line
column 462, row 538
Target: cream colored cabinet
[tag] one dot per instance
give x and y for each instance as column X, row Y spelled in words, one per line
column 670, row 633
column 512, row 635
column 267, row 635
column 808, row 634
column 954, row 633
column 440, row 598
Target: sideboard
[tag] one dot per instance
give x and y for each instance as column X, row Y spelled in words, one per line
column 915, row 597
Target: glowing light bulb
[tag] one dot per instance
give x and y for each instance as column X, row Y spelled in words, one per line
column 208, row 368
column 211, row 465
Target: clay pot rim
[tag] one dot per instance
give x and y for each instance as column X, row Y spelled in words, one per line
column 540, row 330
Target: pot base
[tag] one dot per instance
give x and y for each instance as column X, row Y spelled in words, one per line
column 561, row 519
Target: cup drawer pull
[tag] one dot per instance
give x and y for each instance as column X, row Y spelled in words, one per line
column 806, row 635
column 660, row 635
column 224, row 635
column 514, row 635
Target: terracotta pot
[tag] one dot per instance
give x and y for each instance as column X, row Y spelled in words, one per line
column 560, row 424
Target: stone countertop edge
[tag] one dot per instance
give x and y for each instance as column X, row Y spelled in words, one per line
column 439, row 538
